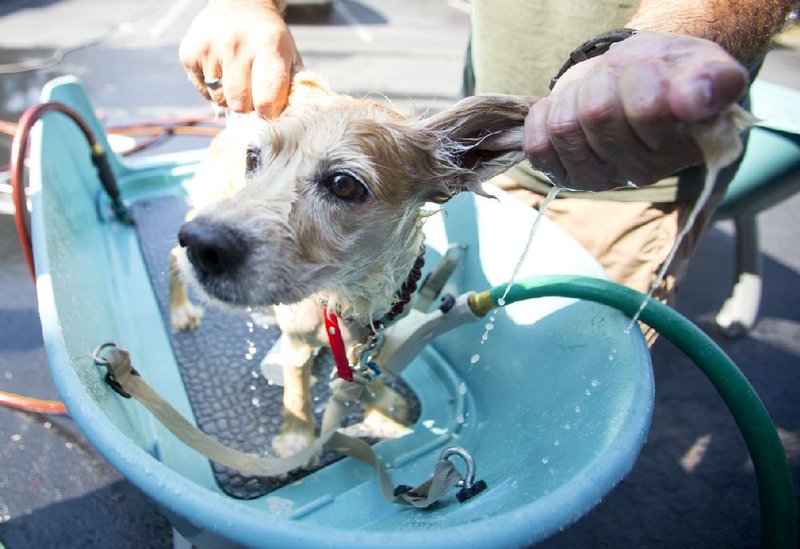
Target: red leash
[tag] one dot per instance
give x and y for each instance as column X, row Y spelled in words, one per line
column 336, row 342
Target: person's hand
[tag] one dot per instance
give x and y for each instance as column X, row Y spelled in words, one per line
column 248, row 47
column 621, row 117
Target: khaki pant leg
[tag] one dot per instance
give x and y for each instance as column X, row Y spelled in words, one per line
column 631, row 240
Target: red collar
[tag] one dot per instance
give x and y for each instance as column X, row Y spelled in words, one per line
column 336, row 342
column 335, row 339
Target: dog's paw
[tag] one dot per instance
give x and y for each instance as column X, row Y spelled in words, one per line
column 386, row 402
column 376, row 424
column 185, row 317
column 288, row 444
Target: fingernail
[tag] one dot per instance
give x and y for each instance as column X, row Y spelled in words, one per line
column 701, row 99
column 704, row 92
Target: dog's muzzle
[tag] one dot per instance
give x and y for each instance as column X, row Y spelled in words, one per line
column 213, row 249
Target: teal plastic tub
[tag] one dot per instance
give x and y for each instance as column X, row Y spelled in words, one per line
column 554, row 412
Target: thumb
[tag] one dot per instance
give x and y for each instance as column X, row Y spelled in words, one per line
column 702, row 93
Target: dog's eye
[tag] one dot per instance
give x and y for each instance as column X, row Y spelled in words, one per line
column 346, row 187
column 252, row 160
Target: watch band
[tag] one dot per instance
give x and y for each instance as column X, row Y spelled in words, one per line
column 592, row 48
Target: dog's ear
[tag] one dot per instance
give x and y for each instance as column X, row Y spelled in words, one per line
column 308, row 89
column 477, row 138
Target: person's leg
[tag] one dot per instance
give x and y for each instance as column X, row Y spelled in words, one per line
column 631, row 240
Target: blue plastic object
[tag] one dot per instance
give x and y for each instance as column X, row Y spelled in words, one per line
column 554, row 406
column 769, row 173
column 769, row 170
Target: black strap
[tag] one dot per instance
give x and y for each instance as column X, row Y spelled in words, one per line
column 592, row 48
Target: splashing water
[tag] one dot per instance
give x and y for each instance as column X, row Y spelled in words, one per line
column 551, row 195
column 721, row 145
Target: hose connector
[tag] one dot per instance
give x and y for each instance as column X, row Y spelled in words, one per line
column 481, row 302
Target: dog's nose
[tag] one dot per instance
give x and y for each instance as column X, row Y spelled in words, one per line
column 213, row 248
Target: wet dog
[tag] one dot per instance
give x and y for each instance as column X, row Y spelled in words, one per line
column 323, row 208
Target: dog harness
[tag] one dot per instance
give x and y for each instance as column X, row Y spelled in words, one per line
column 126, row 381
column 348, row 391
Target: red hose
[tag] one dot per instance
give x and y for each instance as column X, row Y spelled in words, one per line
column 21, row 132
column 18, row 148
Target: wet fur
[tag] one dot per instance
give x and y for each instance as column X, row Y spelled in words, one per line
column 308, row 247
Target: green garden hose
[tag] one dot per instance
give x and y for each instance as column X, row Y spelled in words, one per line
column 776, row 490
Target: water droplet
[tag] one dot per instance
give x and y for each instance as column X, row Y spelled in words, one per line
column 248, row 356
column 595, row 383
column 577, row 409
column 545, row 460
column 567, row 426
column 256, row 402
column 462, row 389
column 588, row 393
column 475, row 358
column 489, row 326
column 460, row 419
column 501, row 302
column 484, row 337
column 610, row 358
column 253, row 374
column 556, row 443
column 252, row 387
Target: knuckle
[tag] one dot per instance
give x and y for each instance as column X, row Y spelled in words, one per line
column 535, row 146
column 599, row 114
column 563, row 128
column 566, row 131
column 648, row 110
column 188, row 53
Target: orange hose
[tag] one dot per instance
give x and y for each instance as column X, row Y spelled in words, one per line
column 36, row 405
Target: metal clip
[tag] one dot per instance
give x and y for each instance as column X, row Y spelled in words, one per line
column 100, row 359
column 367, row 367
column 469, row 486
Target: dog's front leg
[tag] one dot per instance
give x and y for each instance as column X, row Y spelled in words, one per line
column 297, row 432
column 183, row 314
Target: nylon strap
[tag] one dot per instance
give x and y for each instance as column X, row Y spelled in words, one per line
column 127, row 382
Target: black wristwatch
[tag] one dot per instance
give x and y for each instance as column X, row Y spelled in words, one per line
column 592, row 48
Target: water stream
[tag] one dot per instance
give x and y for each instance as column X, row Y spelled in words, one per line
column 721, row 144
column 489, row 326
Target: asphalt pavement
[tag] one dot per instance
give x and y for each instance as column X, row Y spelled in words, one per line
column 693, row 484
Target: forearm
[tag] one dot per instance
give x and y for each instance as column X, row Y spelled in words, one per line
column 744, row 28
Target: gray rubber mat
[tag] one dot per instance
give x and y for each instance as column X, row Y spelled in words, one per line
column 219, row 363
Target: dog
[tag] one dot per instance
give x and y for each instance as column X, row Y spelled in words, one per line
column 323, row 207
